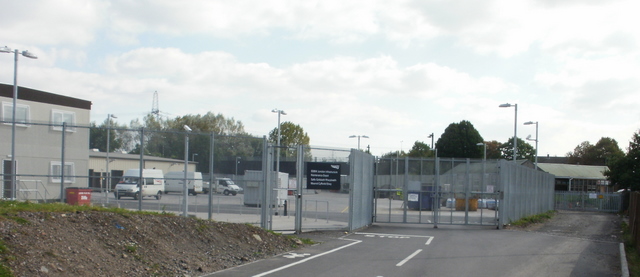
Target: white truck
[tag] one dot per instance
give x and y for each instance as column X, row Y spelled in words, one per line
column 174, row 182
column 224, row 186
column 129, row 186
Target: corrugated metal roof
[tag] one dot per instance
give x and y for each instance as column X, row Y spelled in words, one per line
column 574, row 171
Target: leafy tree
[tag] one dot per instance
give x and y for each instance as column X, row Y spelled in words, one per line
column 605, row 150
column 624, row 171
column 420, row 150
column 291, row 135
column 98, row 136
column 493, row 150
column 460, row 140
column 525, row 150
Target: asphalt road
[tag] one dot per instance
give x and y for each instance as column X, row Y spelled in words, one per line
column 411, row 250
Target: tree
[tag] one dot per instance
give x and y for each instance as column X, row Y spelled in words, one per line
column 420, row 150
column 525, row 150
column 98, row 136
column 291, row 135
column 605, row 150
column 460, row 140
column 493, row 150
column 624, row 171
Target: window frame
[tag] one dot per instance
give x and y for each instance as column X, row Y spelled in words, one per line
column 8, row 107
column 69, row 176
column 57, row 125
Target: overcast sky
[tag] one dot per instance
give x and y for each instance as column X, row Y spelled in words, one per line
column 395, row 71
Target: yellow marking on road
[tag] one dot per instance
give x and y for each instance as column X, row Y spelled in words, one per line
column 345, row 210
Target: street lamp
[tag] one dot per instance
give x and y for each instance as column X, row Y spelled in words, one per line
column 109, row 117
column 484, row 158
column 536, row 139
column 433, row 147
column 13, row 115
column 279, row 112
column 237, row 162
column 515, row 128
column 355, row 136
column 186, row 167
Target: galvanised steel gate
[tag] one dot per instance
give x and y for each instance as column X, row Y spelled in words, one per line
column 436, row 191
column 588, row 201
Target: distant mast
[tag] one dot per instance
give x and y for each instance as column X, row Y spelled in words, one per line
column 155, row 109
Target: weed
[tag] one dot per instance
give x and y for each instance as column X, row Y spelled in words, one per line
column 538, row 218
column 131, row 248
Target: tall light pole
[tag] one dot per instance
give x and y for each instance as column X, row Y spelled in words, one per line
column 279, row 112
column 484, row 157
column 186, row 167
column 109, row 117
column 13, row 115
column 515, row 129
column 433, row 147
column 356, row 136
column 536, row 139
column 237, row 162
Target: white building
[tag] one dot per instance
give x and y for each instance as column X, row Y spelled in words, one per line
column 39, row 143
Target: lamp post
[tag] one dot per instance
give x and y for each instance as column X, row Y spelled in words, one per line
column 536, row 139
column 515, row 128
column 13, row 113
column 279, row 112
column 109, row 117
column 186, row 165
column 237, row 162
column 484, row 157
column 355, row 136
column 433, row 147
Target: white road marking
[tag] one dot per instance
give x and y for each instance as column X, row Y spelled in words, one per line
column 429, row 241
column 370, row 235
column 310, row 258
column 409, row 258
column 296, row 255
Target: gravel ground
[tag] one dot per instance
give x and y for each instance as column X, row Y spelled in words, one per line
column 109, row 244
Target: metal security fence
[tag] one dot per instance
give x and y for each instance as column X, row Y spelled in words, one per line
column 458, row 191
column 588, row 201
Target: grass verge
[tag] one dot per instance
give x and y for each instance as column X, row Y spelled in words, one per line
column 631, row 251
column 538, row 218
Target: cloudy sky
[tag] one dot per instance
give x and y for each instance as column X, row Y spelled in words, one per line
column 395, row 71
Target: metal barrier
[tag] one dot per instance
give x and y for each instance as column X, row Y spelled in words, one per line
column 588, row 201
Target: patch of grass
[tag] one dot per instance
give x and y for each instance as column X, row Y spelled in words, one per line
column 631, row 251
column 131, row 248
column 10, row 209
column 4, row 251
column 538, row 218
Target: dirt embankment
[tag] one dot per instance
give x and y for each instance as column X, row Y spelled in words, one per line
column 110, row 244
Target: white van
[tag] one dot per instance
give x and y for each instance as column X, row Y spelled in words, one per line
column 152, row 184
column 224, row 186
column 174, row 182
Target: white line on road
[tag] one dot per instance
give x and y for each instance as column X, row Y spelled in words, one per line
column 308, row 259
column 429, row 241
column 409, row 258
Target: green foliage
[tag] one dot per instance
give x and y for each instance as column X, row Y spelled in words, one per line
column 460, row 140
column 525, row 150
column 624, row 171
column 291, row 135
column 631, row 251
column 538, row 218
column 421, row 150
column 98, row 136
column 602, row 153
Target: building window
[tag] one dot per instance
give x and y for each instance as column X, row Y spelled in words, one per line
column 58, row 117
column 69, row 172
column 22, row 114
